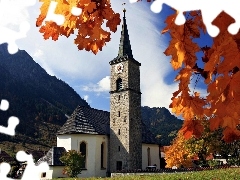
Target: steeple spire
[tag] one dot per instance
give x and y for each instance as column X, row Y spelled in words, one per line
column 125, row 46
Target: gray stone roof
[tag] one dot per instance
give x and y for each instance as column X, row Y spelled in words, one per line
column 52, row 157
column 86, row 120
column 125, row 46
column 37, row 154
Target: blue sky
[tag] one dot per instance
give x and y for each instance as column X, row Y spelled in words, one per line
column 88, row 74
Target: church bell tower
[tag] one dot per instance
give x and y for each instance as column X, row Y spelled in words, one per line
column 125, row 149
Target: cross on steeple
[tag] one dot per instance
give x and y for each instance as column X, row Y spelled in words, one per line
column 124, row 10
column 125, row 46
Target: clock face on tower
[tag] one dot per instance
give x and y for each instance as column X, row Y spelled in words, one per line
column 119, row 68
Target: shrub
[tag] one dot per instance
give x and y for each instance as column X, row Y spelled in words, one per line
column 73, row 161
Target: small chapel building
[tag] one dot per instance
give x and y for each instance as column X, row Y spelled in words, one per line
column 110, row 141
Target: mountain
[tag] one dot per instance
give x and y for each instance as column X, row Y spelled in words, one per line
column 39, row 100
column 162, row 123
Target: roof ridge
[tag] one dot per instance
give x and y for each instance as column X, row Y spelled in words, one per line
column 79, row 106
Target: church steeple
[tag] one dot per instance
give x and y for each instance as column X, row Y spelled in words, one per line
column 125, row 46
column 125, row 108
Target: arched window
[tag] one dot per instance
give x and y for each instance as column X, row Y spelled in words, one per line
column 83, row 150
column 149, row 156
column 119, row 84
column 103, row 158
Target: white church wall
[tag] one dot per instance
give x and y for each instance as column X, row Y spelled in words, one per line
column 53, row 172
column 101, row 171
column 154, row 155
column 93, row 153
column 64, row 141
column 57, row 171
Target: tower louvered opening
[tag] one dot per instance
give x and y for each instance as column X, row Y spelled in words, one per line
column 119, row 84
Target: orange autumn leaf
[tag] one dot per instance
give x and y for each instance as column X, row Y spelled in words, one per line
column 218, row 68
column 222, row 21
column 191, row 128
column 230, row 122
column 50, row 30
column 188, row 106
column 89, row 25
column 112, row 23
column 215, row 123
column 229, row 135
column 44, row 9
column 170, row 21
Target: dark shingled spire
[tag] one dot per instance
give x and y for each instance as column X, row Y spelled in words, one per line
column 125, row 51
column 125, row 46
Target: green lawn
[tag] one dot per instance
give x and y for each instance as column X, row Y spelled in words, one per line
column 220, row 174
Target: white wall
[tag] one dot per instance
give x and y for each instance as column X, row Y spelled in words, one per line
column 64, row 141
column 53, row 172
column 57, row 172
column 154, row 154
column 101, row 172
column 93, row 151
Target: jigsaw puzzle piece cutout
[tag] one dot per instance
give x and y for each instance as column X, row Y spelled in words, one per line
column 232, row 8
column 58, row 18
column 8, row 35
column 51, row 16
column 31, row 171
column 210, row 10
column 4, row 170
column 10, row 130
column 76, row 11
column 12, row 121
column 4, row 105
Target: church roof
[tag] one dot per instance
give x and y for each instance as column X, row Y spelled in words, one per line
column 36, row 153
column 125, row 46
column 52, row 157
column 86, row 120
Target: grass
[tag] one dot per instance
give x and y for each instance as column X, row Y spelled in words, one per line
column 218, row 174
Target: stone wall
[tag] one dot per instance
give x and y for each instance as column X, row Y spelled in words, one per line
column 125, row 118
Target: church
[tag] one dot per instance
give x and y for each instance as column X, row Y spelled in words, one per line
column 110, row 141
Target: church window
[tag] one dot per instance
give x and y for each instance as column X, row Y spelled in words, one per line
column 118, row 113
column 119, row 132
column 125, row 119
column 83, row 148
column 119, row 97
column 149, row 156
column 119, row 84
column 119, row 165
column 102, row 155
column 43, row 174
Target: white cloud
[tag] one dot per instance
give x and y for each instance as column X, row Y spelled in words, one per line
column 38, row 54
column 85, row 97
column 14, row 22
column 102, row 86
column 39, row 57
column 13, row 12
